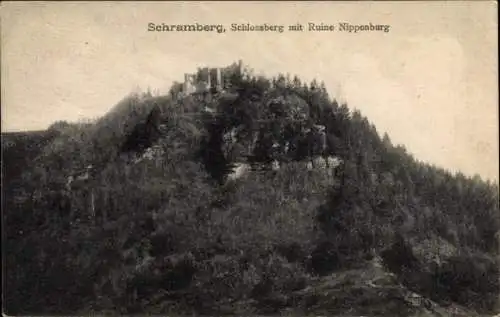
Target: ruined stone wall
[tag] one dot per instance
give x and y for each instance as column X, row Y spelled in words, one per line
column 205, row 80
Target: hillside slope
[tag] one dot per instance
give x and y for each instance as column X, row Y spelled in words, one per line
column 135, row 213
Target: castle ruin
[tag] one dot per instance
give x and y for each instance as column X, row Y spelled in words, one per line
column 207, row 80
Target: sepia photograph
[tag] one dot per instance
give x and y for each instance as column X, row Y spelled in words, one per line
column 280, row 158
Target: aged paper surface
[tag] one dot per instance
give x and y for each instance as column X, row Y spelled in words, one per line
column 425, row 73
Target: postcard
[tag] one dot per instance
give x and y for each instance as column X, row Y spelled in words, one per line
column 250, row 158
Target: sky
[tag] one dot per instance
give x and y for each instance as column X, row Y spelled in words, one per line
column 431, row 82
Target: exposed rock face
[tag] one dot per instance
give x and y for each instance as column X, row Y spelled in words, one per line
column 79, row 177
column 324, row 162
column 272, row 148
column 290, row 107
column 268, row 145
column 150, row 154
column 239, row 170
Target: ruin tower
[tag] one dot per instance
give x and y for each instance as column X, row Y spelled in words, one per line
column 186, row 83
column 218, row 86
column 240, row 66
column 188, row 86
column 209, row 80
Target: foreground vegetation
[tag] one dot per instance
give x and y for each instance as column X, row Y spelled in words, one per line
column 167, row 235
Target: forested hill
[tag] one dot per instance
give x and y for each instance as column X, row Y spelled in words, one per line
column 134, row 213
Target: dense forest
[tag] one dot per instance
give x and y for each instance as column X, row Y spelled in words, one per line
column 386, row 235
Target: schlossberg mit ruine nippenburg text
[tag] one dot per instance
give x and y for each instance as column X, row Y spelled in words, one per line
column 265, row 27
